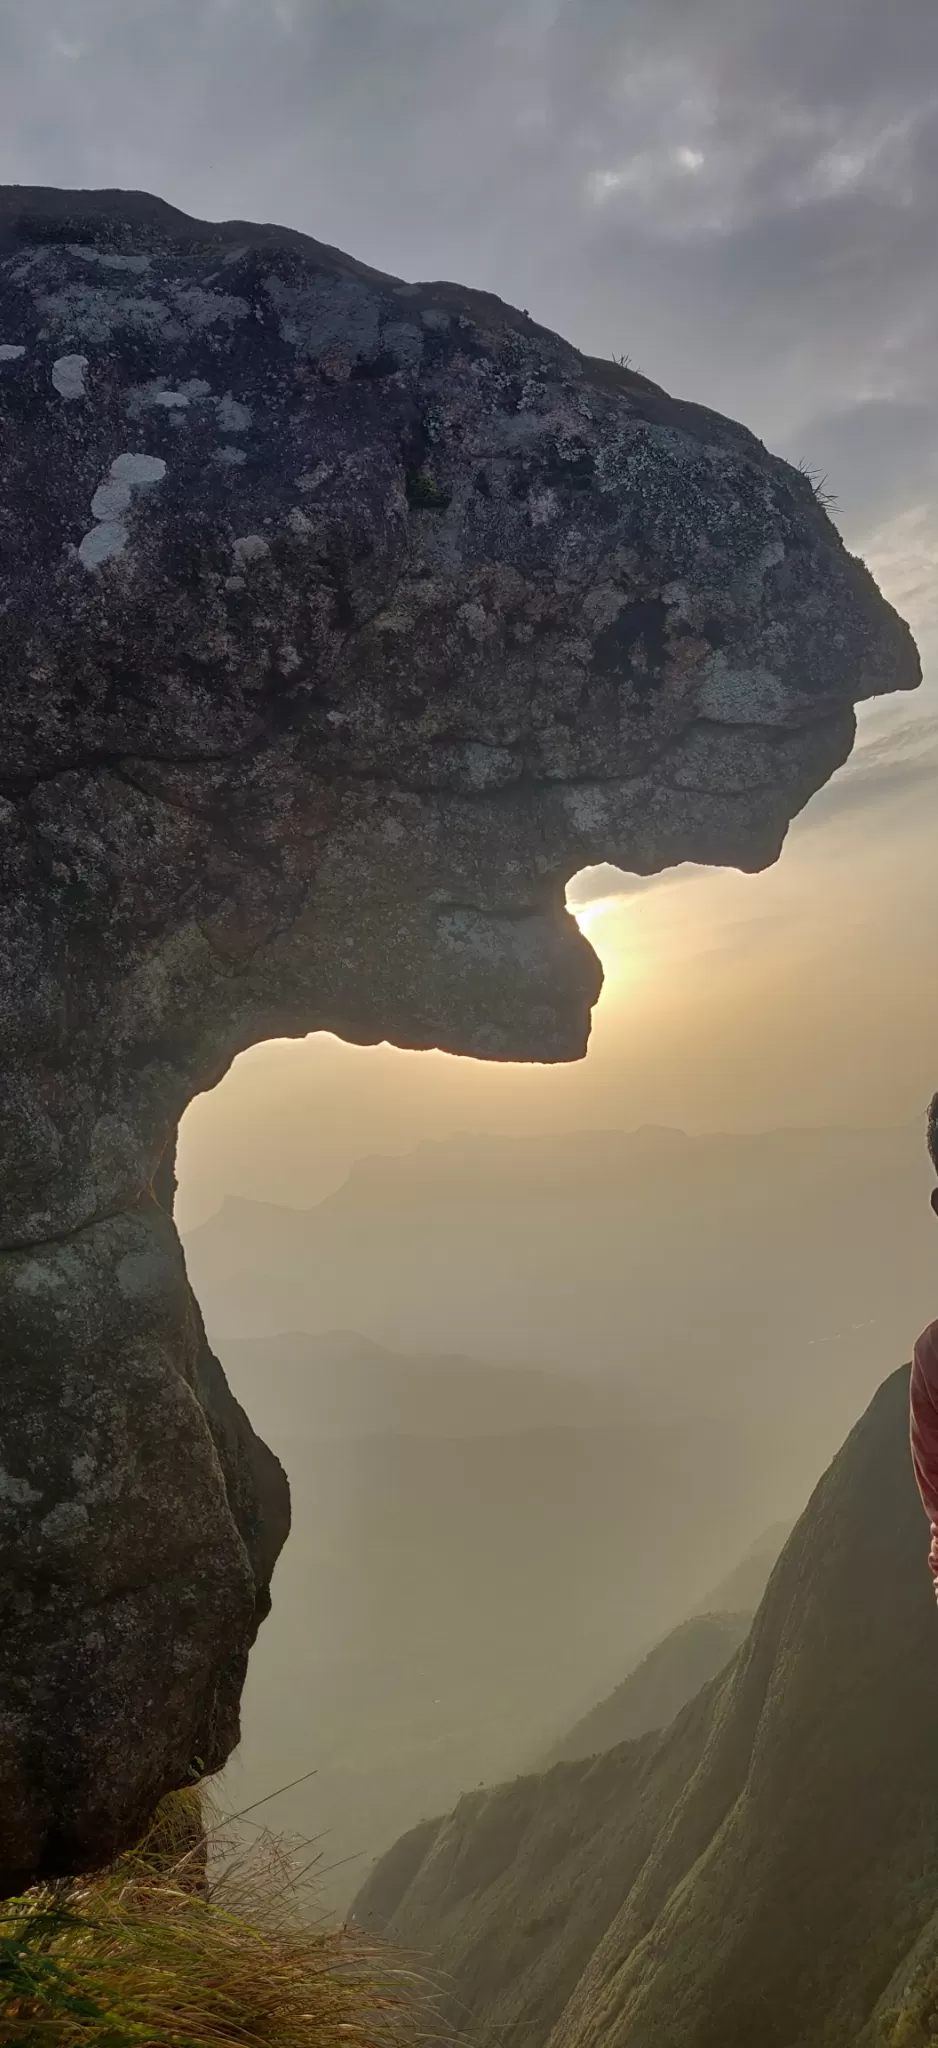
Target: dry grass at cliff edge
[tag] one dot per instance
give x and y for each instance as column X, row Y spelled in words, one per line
column 177, row 1947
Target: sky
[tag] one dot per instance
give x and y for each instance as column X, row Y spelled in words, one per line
column 742, row 198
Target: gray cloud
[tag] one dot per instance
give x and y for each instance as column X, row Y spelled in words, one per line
column 894, row 772
column 742, row 196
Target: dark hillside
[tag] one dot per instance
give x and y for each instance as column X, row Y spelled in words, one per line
column 759, row 1874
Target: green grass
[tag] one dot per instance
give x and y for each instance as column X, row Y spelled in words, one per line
column 177, row 1948
column 916, row 2025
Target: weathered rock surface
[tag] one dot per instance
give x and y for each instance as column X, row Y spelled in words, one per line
column 764, row 1872
column 342, row 620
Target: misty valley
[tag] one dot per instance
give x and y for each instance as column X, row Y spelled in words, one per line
column 548, row 1544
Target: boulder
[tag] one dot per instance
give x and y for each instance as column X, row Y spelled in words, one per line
column 343, row 621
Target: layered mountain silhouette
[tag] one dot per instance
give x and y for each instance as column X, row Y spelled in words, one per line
column 711, row 1270
column 741, row 1590
column 339, row 1385
column 478, row 1554
column 675, row 1669
column 661, row 1684
column 764, row 1874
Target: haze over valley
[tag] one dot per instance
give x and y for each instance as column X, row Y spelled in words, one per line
column 537, row 1399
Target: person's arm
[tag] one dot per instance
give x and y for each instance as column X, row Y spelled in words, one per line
column 923, row 1400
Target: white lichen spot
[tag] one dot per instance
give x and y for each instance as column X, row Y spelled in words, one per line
column 93, row 312
column 288, row 660
column 68, row 376
column 129, row 473
column 141, row 1275
column 312, row 478
column 235, row 583
column 602, row 605
column 41, row 1277
column 15, row 1492
column 542, row 507
column 11, row 351
column 138, row 471
column 108, row 538
column 20, row 271
column 201, row 309
column 742, row 696
column 66, row 1522
column 488, row 767
column 110, row 259
column 475, row 620
column 233, row 417
column 250, row 547
column 587, row 807
column 168, row 398
column 434, row 318
column 228, row 456
column 299, row 524
column 489, row 941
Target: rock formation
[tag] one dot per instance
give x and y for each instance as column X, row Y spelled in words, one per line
column 342, row 621
column 767, row 1870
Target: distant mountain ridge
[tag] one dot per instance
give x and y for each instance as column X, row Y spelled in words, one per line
column 301, row 1386
column 666, row 1676
column 762, row 1875
column 742, row 1588
column 654, row 1693
column 716, row 1268
column 478, row 1554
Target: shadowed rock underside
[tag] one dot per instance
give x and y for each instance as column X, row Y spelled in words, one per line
column 343, row 620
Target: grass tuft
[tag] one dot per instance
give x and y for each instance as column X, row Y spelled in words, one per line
column 818, row 481
column 179, row 1947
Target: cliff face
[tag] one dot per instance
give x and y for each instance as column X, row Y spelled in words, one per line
column 342, row 621
column 763, row 1870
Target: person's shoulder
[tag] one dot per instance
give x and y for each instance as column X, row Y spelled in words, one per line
column 925, row 1355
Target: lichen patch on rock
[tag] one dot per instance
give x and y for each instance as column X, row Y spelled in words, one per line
column 129, row 473
column 68, row 375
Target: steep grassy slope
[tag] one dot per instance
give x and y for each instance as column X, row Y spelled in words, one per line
column 650, row 1697
column 757, row 1876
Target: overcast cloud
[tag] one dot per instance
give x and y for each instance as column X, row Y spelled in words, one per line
column 741, row 195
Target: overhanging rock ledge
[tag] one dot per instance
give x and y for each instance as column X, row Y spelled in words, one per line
column 342, row 621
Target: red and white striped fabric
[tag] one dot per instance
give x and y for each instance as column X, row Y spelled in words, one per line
column 924, row 1427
